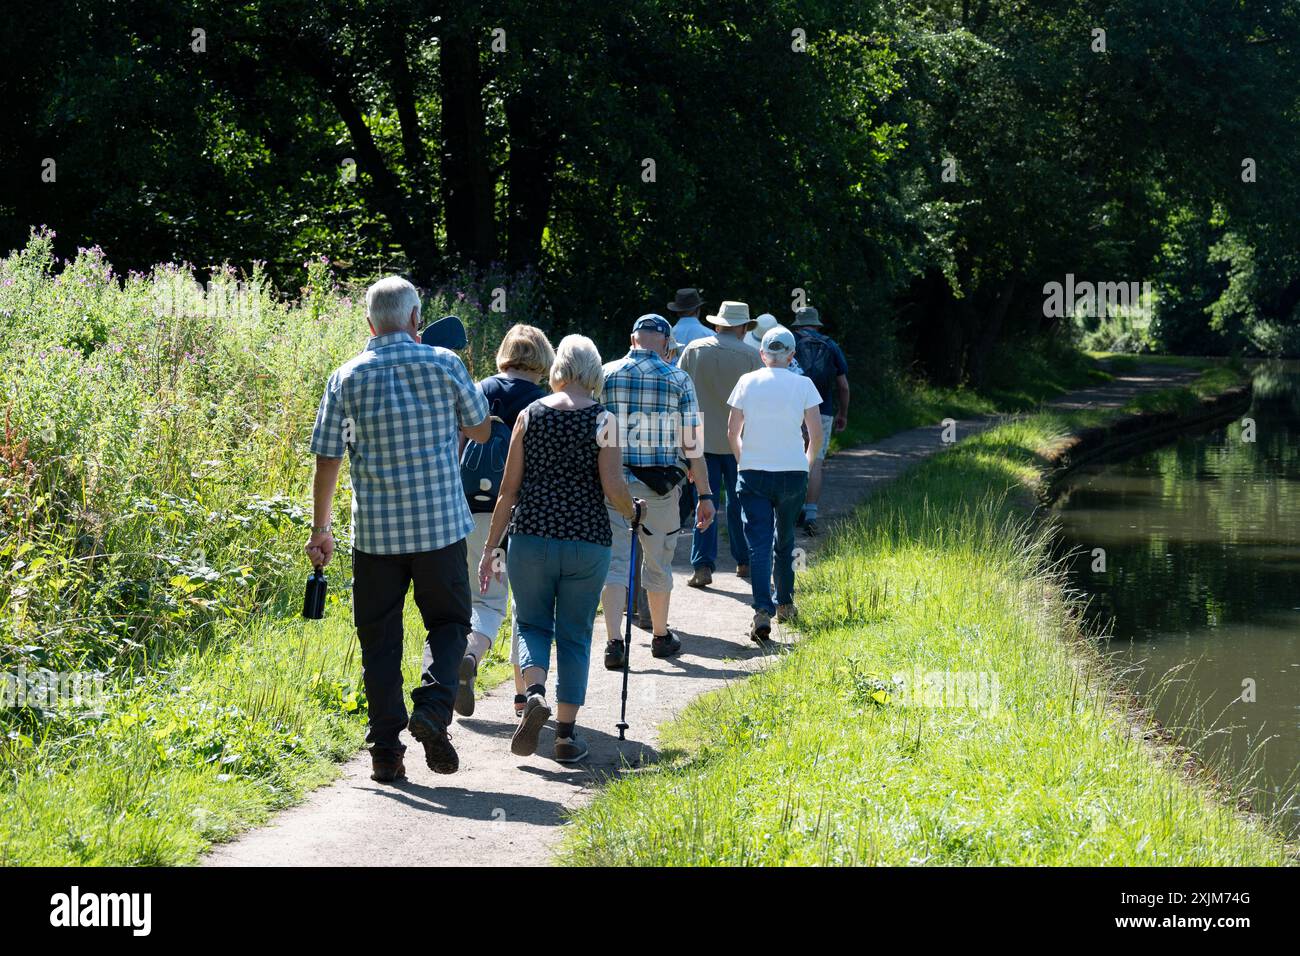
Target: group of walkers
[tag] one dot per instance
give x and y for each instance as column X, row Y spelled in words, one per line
column 646, row 441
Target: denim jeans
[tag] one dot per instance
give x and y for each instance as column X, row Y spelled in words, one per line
column 379, row 586
column 770, row 502
column 556, row 586
column 704, row 544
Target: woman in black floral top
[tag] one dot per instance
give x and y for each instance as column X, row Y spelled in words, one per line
column 558, row 475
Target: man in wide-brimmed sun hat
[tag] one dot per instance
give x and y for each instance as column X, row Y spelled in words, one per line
column 821, row 359
column 715, row 363
column 687, row 306
column 762, row 325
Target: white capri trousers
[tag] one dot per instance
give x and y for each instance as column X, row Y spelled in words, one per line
column 487, row 611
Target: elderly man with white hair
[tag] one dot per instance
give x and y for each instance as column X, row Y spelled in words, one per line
column 398, row 409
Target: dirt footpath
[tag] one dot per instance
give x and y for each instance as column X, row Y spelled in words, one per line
column 506, row 810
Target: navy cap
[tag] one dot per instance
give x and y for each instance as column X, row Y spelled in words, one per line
column 654, row 322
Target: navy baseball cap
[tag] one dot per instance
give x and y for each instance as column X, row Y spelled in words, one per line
column 654, row 322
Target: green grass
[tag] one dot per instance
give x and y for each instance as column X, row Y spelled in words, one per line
column 202, row 749
column 154, row 477
column 153, row 483
column 822, row 759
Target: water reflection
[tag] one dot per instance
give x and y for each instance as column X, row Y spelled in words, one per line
column 1201, row 543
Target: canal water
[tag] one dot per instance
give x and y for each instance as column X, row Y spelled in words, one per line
column 1197, row 584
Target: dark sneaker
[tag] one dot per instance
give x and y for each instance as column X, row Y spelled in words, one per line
column 762, row 627
column 702, row 578
column 520, row 700
column 810, row 528
column 571, row 749
column 439, row 754
column 536, row 714
column 615, row 655
column 786, row 613
column 644, row 621
column 742, row 571
column 385, row 766
column 666, row 645
column 464, row 704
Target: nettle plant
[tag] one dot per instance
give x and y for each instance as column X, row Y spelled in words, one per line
column 153, row 456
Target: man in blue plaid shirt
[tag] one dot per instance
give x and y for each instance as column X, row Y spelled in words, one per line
column 398, row 409
column 654, row 408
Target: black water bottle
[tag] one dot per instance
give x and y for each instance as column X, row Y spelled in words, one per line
column 313, row 602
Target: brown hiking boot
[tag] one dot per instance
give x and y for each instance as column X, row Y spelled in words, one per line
column 786, row 613
column 386, row 766
column 742, row 571
column 439, row 754
column 762, row 627
column 702, row 578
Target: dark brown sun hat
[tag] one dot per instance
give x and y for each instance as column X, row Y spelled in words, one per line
column 688, row 300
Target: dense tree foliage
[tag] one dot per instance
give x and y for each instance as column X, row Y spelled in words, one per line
column 920, row 169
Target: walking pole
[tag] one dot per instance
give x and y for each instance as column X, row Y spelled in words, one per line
column 627, row 626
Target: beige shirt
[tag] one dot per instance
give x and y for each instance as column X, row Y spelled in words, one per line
column 715, row 364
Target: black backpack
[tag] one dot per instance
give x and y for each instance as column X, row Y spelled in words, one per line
column 483, row 466
column 816, row 359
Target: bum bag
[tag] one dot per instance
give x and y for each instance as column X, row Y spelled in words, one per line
column 660, row 479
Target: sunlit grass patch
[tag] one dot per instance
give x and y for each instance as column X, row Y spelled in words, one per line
column 825, row 758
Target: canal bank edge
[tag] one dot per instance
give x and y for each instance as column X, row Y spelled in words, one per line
column 1126, row 435
column 1129, row 433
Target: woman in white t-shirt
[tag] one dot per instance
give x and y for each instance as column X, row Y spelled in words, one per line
column 769, row 410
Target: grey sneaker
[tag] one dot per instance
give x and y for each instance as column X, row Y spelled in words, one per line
column 702, row 578
column 536, row 714
column 762, row 627
column 786, row 613
column 571, row 749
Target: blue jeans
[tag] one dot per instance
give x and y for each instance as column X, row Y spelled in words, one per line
column 556, row 586
column 704, row 544
column 770, row 502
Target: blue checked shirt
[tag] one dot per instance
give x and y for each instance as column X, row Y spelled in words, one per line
column 652, row 402
column 397, row 408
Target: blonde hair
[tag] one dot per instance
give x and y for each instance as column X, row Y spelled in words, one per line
column 527, row 349
column 578, row 360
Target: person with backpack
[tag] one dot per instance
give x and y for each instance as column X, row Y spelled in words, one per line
column 561, row 476
column 524, row 359
column 820, row 359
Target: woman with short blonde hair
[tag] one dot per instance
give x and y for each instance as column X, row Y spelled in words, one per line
column 526, row 349
column 524, row 360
